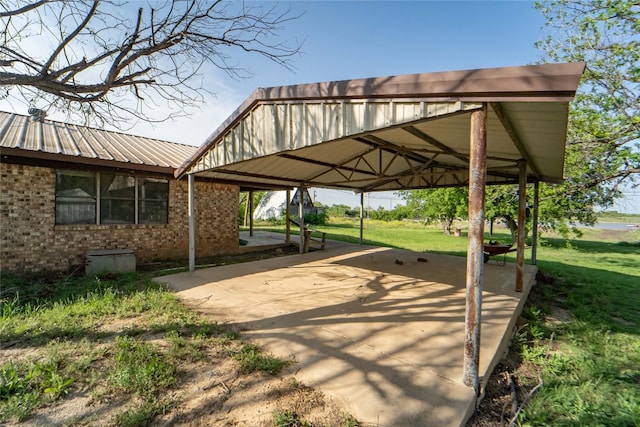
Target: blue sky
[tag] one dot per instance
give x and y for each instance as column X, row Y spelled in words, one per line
column 355, row 39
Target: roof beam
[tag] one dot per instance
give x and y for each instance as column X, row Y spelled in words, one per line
column 497, row 108
column 331, row 166
column 391, row 148
column 412, row 172
column 286, row 181
column 348, row 160
column 431, row 140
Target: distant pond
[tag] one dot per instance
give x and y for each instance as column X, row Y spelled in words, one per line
column 614, row 226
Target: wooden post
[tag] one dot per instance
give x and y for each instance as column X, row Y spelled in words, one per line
column 250, row 204
column 192, row 225
column 522, row 222
column 475, row 247
column 245, row 220
column 288, row 214
column 534, row 228
column 361, row 217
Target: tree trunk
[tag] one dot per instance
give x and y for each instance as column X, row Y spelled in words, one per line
column 446, row 224
column 513, row 228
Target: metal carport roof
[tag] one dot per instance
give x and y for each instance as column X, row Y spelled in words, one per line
column 475, row 127
column 398, row 132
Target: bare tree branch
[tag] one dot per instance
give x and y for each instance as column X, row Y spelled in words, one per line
column 107, row 57
column 23, row 9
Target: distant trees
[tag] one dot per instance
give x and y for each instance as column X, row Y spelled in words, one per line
column 106, row 62
column 442, row 205
column 342, row 210
column 603, row 148
column 603, row 138
column 243, row 206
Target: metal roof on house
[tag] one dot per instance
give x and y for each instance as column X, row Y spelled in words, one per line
column 20, row 136
column 397, row 132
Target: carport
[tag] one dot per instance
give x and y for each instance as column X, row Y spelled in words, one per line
column 461, row 128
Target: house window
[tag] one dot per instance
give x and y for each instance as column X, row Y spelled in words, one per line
column 153, row 203
column 119, row 199
column 75, row 197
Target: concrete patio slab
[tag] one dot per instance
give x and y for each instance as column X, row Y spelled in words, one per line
column 373, row 328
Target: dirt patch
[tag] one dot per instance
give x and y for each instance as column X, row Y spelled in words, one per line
column 508, row 387
column 211, row 392
column 514, row 380
column 170, row 266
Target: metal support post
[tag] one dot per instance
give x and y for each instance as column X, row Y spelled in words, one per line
column 192, row 226
column 522, row 222
column 361, row 217
column 475, row 248
column 250, row 200
column 534, row 228
column 301, row 215
column 288, row 215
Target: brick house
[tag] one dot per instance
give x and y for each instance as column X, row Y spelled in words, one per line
column 67, row 189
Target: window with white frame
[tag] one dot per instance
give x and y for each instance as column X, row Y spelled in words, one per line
column 104, row 198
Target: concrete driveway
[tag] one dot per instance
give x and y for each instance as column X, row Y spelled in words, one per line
column 374, row 328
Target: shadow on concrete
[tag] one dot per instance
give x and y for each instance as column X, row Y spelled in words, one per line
column 373, row 328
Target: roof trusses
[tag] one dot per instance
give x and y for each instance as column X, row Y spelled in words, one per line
column 393, row 133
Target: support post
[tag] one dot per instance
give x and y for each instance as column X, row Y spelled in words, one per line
column 475, row 248
column 301, row 215
column 522, row 222
column 287, row 238
column 250, row 204
column 534, row 228
column 361, row 217
column 192, row 226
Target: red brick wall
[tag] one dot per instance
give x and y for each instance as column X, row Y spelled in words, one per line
column 30, row 241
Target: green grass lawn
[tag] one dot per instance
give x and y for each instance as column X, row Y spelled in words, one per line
column 101, row 335
column 589, row 302
column 120, row 339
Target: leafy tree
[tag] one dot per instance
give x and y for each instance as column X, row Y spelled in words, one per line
column 107, row 61
column 316, row 218
column 441, row 204
column 502, row 203
column 243, row 214
column 341, row 210
column 603, row 152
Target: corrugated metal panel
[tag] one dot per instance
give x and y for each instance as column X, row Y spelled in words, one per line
column 270, row 129
column 18, row 131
